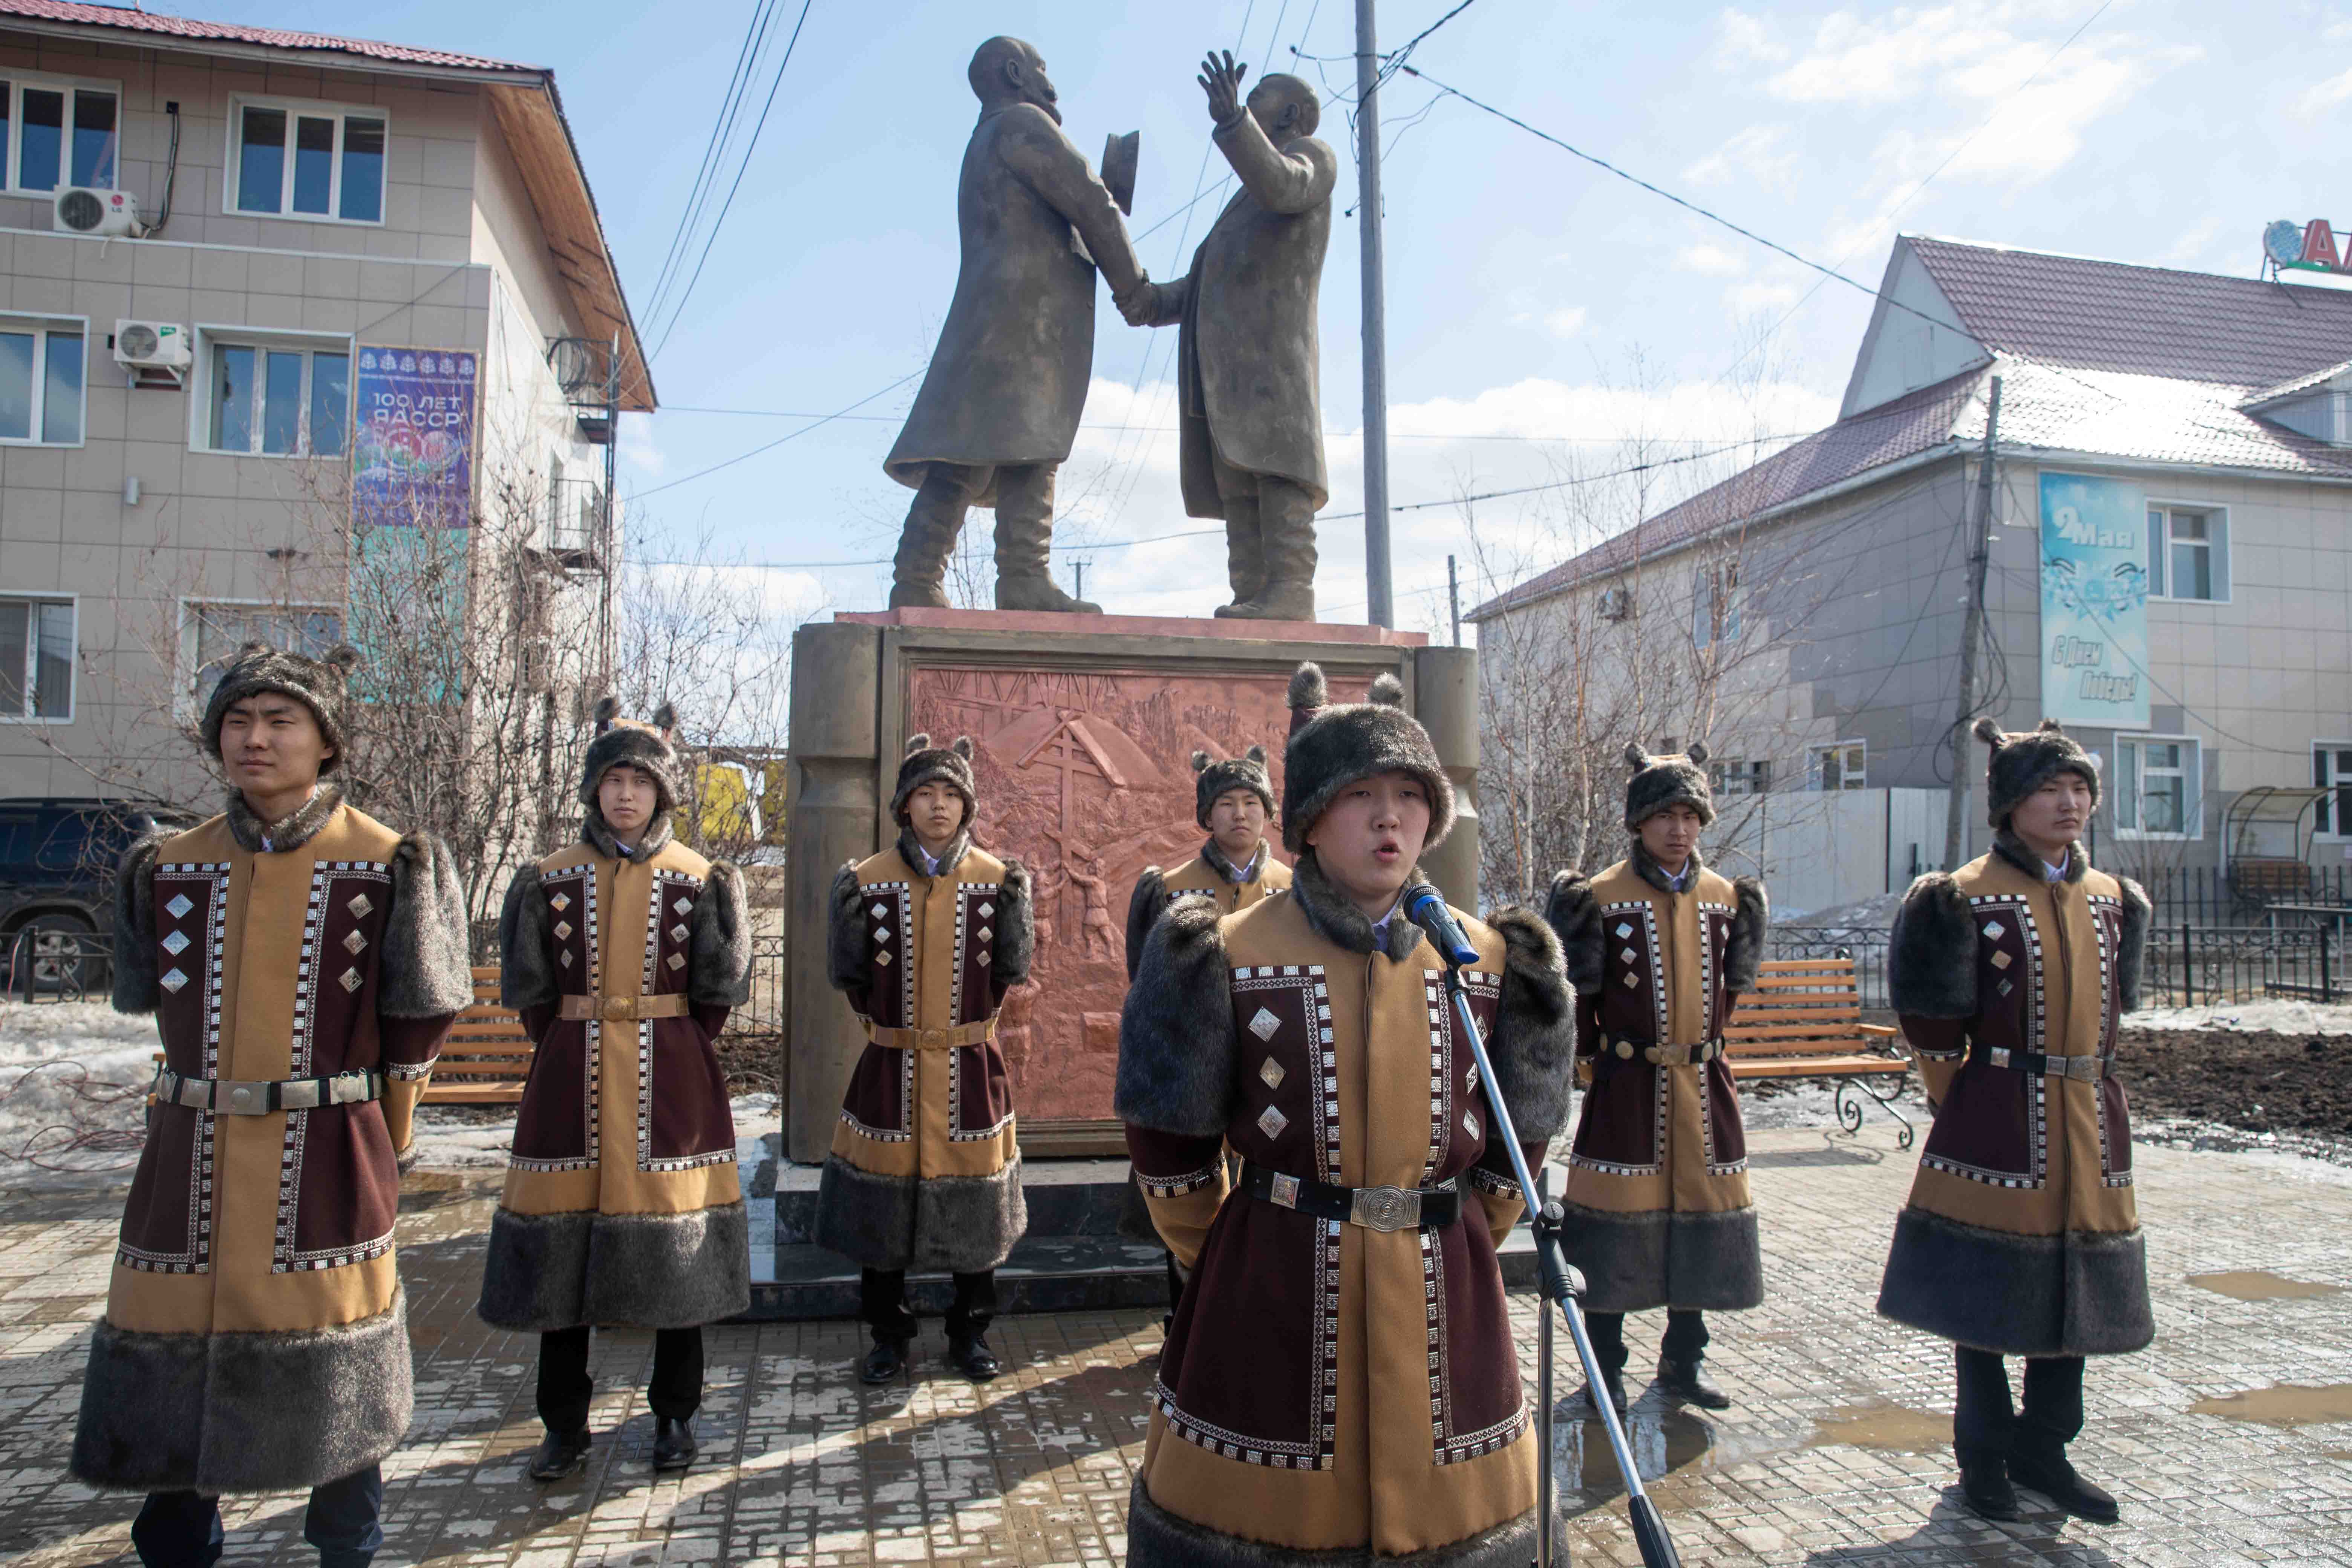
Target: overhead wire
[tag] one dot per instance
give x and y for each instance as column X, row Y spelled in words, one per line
column 721, row 125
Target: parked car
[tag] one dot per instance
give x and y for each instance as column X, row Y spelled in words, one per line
column 57, row 887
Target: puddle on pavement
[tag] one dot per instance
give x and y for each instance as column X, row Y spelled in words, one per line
column 1674, row 1440
column 2283, row 1405
column 1883, row 1426
column 430, row 1189
column 2261, row 1285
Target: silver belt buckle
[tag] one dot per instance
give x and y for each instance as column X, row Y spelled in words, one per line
column 1284, row 1194
column 1999, row 1056
column 2082, row 1069
column 1386, row 1208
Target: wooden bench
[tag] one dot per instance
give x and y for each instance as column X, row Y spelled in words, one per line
column 488, row 1057
column 1804, row 1020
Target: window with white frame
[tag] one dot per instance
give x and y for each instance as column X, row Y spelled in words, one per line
column 210, row 635
column 281, row 397
column 2159, row 782
column 2331, row 770
column 1845, row 765
column 1715, row 603
column 2189, row 553
column 1741, row 778
column 41, row 381
column 55, row 131
column 36, row 658
column 292, row 158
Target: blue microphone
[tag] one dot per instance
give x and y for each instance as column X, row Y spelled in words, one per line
column 1424, row 906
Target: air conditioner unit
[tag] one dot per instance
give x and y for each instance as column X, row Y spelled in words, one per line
column 156, row 354
column 80, row 210
column 1616, row 604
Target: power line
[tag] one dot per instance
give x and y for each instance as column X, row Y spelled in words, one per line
column 1396, row 58
column 679, row 309
column 1170, row 429
column 791, row 435
column 721, row 125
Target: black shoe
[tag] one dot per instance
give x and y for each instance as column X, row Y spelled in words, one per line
column 972, row 1358
column 559, row 1454
column 674, row 1447
column 1984, row 1481
column 885, row 1361
column 2049, row 1473
column 1683, row 1380
column 1615, row 1383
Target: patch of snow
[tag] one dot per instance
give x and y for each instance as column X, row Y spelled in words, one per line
column 72, row 1071
column 2283, row 1015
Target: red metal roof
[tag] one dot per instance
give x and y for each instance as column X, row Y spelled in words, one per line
column 231, row 33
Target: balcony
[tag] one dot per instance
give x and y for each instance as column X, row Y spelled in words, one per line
column 579, row 525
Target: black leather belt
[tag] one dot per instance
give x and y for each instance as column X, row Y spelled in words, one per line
column 259, row 1097
column 1374, row 1208
column 1662, row 1055
column 2082, row 1069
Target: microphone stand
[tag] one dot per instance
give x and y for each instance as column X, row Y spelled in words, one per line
column 1560, row 1284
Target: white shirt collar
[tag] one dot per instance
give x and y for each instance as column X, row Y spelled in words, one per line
column 1680, row 879
column 2057, row 873
column 1232, row 873
column 931, row 861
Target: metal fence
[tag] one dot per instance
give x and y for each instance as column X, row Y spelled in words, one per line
column 2205, row 896
column 1868, row 953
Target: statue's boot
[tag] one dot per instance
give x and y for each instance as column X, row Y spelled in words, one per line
column 919, row 571
column 1286, row 516
column 1244, row 548
column 1024, row 542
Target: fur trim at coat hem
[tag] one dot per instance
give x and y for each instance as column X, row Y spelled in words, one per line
column 1694, row 1260
column 2082, row 1293
column 247, row 1412
column 547, row 1271
column 1159, row 1538
column 927, row 1225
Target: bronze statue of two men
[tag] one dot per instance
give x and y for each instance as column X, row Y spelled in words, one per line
column 999, row 407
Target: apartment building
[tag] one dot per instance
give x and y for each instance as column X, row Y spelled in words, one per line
column 266, row 298
column 2166, row 507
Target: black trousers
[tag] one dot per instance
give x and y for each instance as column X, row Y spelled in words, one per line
column 183, row 1529
column 882, row 1302
column 1686, row 1336
column 1984, row 1422
column 564, row 1386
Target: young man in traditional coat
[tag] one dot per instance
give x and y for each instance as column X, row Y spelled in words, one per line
column 304, row 963
column 1234, row 799
column 925, row 1174
column 1339, row 1386
column 624, row 952
column 1659, row 949
column 2022, row 1237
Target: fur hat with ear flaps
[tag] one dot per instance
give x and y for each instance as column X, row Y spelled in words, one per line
column 2024, row 762
column 1659, row 781
column 651, row 746
column 1333, row 744
column 321, row 685
column 1211, row 779
column 926, row 763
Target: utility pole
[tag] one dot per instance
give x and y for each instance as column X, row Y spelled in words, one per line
column 1079, row 573
column 1453, row 593
column 1382, row 606
column 1972, row 633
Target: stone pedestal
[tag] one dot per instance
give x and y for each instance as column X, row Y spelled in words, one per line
column 1083, row 728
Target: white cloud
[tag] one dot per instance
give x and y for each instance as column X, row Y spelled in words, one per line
column 2314, row 102
column 637, row 448
column 1710, row 261
column 1742, row 40
column 1757, row 154
column 1565, row 323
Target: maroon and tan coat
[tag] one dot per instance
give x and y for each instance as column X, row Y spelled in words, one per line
column 623, row 1205
column 925, row 1171
column 256, row 1336
column 2022, row 1234
column 1204, row 875
column 1328, row 1388
column 1659, row 1212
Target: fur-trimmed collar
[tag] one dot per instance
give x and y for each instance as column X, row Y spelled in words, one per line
column 290, row 832
column 2020, row 854
column 605, row 842
column 1216, row 860
column 911, row 850
column 1650, row 872
column 1334, row 917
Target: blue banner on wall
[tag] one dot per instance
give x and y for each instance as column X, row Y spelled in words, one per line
column 412, row 448
column 2094, row 601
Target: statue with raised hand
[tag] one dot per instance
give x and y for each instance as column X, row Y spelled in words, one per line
column 1000, row 403
column 1248, row 381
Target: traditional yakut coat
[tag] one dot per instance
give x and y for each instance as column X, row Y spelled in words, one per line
column 925, row 1173
column 1203, row 876
column 2021, row 1236
column 256, row 1338
column 1658, row 1207
column 1326, row 1388
column 623, row 1206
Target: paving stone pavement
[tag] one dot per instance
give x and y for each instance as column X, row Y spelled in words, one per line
column 1836, row 1453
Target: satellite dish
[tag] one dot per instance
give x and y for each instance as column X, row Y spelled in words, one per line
column 578, row 364
column 2283, row 241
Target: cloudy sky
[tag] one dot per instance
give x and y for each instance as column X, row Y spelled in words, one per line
column 1547, row 320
